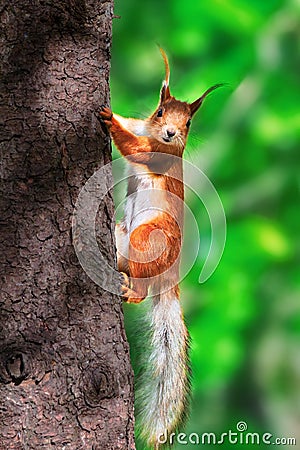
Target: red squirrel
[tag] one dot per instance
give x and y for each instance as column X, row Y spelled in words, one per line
column 149, row 240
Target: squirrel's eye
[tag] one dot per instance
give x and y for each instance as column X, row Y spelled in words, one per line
column 188, row 124
column 159, row 113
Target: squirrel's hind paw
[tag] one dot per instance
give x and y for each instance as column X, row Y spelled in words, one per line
column 129, row 295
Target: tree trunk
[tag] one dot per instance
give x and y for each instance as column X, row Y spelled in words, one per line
column 65, row 375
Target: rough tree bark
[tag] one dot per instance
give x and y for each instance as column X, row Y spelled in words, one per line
column 65, row 376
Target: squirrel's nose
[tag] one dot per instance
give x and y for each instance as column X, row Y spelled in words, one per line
column 171, row 133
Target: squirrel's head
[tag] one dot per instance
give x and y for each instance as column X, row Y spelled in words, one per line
column 170, row 123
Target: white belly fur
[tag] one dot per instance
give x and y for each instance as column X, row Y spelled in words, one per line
column 148, row 203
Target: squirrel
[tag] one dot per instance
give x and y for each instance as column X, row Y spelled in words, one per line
column 149, row 240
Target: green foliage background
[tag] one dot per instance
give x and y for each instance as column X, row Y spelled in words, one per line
column 244, row 321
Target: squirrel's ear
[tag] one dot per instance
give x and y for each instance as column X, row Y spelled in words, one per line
column 164, row 92
column 197, row 103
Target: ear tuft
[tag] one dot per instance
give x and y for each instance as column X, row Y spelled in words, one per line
column 167, row 67
column 165, row 90
column 197, row 103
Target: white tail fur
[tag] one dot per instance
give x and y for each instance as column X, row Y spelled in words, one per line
column 164, row 386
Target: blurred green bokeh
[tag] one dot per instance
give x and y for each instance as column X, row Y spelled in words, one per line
column 244, row 321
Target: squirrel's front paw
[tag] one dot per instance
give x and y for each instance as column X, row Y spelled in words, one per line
column 106, row 115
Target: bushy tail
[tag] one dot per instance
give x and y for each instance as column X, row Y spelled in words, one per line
column 164, row 385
